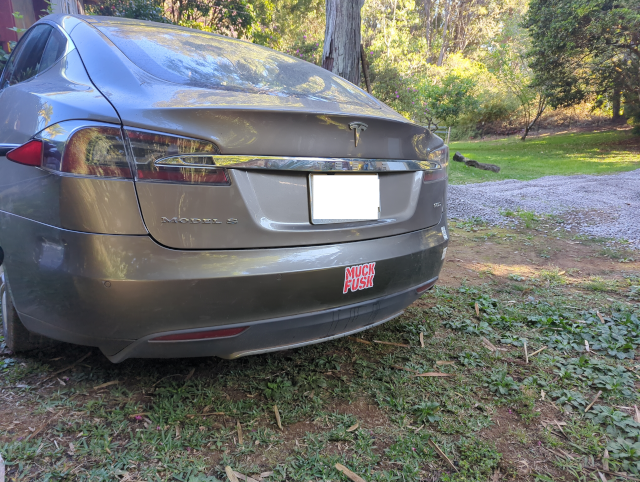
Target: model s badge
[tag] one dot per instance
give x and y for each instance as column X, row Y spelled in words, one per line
column 177, row 220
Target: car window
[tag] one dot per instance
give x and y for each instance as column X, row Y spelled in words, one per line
column 53, row 51
column 201, row 59
column 9, row 66
column 28, row 58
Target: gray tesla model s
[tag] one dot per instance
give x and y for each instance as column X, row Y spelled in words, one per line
column 166, row 192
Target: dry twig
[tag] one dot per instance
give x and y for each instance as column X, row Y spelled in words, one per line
column 353, row 476
column 442, row 454
column 432, row 374
column 594, row 401
column 391, row 344
column 538, row 351
column 65, row 368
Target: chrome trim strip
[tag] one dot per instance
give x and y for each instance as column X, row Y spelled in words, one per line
column 5, row 148
column 306, row 164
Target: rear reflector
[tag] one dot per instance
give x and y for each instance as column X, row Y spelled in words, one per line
column 201, row 335
column 29, row 154
column 427, row 286
column 185, row 174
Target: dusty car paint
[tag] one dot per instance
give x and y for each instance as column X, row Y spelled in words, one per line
column 116, row 263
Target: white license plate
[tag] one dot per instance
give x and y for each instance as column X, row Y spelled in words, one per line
column 341, row 198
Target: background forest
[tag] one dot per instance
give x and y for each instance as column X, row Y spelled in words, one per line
column 481, row 66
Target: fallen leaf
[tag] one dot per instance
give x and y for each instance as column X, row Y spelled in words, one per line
column 275, row 409
column 231, row 474
column 240, row 439
column 242, row 477
column 353, row 427
column 398, row 367
column 488, row 344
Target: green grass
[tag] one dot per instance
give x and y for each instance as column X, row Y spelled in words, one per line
column 559, row 154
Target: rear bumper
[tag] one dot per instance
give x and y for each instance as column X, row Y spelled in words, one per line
column 118, row 292
column 277, row 334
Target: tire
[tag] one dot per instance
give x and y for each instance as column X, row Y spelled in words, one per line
column 16, row 336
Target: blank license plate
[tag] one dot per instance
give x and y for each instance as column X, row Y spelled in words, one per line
column 341, row 198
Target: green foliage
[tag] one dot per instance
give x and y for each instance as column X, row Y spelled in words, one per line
column 500, row 383
column 584, row 49
column 478, row 461
column 427, row 412
column 139, row 9
column 470, row 359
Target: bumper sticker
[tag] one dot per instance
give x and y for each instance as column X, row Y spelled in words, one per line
column 444, row 233
column 358, row 277
column 444, row 253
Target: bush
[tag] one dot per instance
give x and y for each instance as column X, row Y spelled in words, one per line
column 139, row 9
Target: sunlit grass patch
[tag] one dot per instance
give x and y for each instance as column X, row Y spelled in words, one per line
column 558, row 154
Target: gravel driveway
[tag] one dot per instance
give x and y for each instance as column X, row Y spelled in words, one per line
column 605, row 206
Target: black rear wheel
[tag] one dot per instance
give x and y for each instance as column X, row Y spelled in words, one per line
column 16, row 336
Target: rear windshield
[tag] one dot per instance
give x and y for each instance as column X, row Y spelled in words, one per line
column 201, row 59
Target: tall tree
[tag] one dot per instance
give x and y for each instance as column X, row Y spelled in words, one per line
column 586, row 48
column 341, row 54
column 427, row 15
column 445, row 28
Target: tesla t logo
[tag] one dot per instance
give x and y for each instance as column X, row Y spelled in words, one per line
column 357, row 128
column 359, row 277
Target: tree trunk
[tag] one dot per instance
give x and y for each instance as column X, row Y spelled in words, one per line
column 427, row 22
column 447, row 12
column 615, row 104
column 542, row 105
column 365, row 67
column 341, row 54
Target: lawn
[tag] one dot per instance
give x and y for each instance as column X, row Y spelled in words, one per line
column 559, row 154
column 67, row 414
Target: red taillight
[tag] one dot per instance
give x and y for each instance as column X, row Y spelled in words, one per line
column 201, row 335
column 29, row 154
column 434, row 175
column 161, row 157
column 96, row 151
column 85, row 148
column 427, row 286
